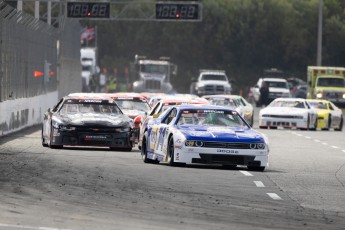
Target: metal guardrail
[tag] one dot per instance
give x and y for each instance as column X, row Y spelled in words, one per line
column 27, row 43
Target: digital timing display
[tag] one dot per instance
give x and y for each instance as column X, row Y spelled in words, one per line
column 88, row 9
column 177, row 11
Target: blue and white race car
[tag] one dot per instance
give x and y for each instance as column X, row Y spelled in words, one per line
column 204, row 134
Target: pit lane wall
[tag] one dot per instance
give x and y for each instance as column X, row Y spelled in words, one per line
column 26, row 46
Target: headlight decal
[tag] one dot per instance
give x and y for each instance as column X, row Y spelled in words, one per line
column 257, row 146
column 194, row 143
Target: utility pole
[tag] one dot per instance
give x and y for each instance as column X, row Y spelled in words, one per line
column 319, row 36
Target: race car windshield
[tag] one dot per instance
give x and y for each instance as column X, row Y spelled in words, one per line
column 211, row 117
column 151, row 68
column 277, row 84
column 213, row 77
column 77, row 108
column 223, row 102
column 318, row 105
column 133, row 105
column 290, row 104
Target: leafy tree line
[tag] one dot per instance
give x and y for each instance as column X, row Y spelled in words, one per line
column 242, row 37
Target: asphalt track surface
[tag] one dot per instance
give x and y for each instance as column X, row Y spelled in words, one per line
column 78, row 188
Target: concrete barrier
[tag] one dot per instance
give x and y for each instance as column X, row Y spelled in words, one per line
column 24, row 112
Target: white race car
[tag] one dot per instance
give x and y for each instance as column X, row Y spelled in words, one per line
column 288, row 113
column 204, row 134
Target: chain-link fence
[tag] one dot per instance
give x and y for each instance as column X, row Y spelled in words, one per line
column 36, row 58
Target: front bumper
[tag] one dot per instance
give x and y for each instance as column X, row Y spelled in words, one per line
column 202, row 155
column 283, row 122
column 96, row 138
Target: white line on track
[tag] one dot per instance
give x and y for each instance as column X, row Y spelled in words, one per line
column 316, row 140
column 274, row 196
column 246, row 173
column 343, row 150
column 324, row 143
column 307, row 137
column 298, row 134
column 29, row 227
column 259, row 184
column 335, row 147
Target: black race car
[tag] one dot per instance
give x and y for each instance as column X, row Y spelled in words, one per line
column 87, row 121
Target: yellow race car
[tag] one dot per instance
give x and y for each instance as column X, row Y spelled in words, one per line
column 328, row 115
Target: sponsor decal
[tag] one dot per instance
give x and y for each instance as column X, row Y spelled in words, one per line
column 220, row 129
column 213, row 111
column 227, row 151
column 92, row 101
column 178, row 147
column 124, row 98
column 161, row 134
column 199, row 134
column 95, row 137
column 177, row 156
column 190, row 150
column 179, row 140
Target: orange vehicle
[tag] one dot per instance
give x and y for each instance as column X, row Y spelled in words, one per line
column 134, row 105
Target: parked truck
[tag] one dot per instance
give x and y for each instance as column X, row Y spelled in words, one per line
column 152, row 75
column 211, row 82
column 326, row 83
column 88, row 60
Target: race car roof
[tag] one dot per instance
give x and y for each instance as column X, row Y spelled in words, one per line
column 202, row 106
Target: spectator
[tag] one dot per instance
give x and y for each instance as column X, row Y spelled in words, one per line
column 111, row 86
column 264, row 93
column 103, row 80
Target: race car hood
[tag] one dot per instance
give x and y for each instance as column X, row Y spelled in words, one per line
column 94, row 119
column 221, row 134
column 282, row 111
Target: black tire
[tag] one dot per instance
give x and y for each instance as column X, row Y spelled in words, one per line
column 50, row 142
column 44, row 144
column 315, row 125
column 144, row 151
column 256, row 168
column 340, row 128
column 170, row 153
